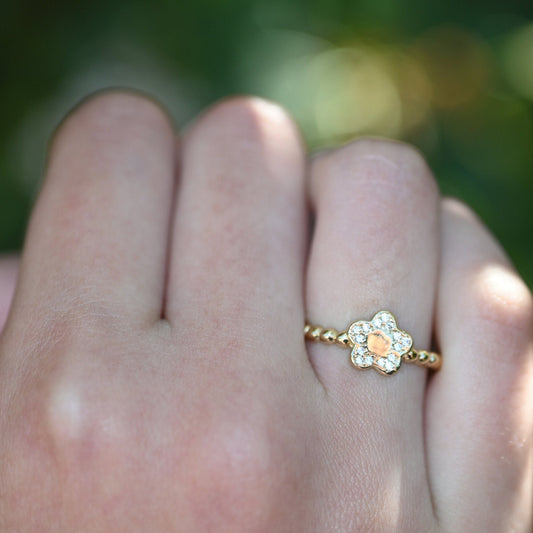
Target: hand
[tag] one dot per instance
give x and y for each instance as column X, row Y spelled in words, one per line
column 154, row 374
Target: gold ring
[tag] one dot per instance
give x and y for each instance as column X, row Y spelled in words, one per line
column 378, row 344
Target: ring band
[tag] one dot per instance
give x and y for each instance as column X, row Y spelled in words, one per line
column 377, row 343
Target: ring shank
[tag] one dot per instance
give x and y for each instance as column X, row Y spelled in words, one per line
column 423, row 358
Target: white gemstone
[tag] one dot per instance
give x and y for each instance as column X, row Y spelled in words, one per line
column 357, row 328
column 394, row 358
column 367, row 328
column 382, row 362
column 398, row 347
column 387, row 320
column 360, row 338
column 377, row 322
column 397, row 336
column 406, row 341
column 389, row 366
column 361, row 350
column 363, row 362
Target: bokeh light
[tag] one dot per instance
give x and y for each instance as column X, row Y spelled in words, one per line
column 518, row 60
column 454, row 79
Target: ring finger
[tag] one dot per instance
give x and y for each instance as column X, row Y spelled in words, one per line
column 375, row 247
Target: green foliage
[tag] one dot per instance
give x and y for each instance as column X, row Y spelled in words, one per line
column 454, row 78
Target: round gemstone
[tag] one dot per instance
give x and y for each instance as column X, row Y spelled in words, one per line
column 389, row 366
column 394, row 358
column 357, row 328
column 385, row 320
column 360, row 338
column 367, row 328
column 361, row 350
column 363, row 362
column 406, row 341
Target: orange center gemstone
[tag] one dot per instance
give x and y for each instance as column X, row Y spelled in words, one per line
column 379, row 343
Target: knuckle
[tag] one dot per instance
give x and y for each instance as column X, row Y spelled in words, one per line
column 499, row 308
column 256, row 145
column 76, row 416
column 385, row 186
column 503, row 300
column 247, row 118
column 65, row 438
column 91, row 435
column 111, row 114
column 76, row 405
column 365, row 163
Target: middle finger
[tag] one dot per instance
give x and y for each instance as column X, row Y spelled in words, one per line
column 239, row 235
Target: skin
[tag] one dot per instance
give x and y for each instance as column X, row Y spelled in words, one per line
column 153, row 371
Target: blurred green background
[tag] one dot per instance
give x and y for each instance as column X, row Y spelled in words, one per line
column 454, row 78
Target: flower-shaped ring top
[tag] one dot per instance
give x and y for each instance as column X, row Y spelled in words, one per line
column 379, row 343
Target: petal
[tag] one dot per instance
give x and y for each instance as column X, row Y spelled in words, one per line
column 402, row 341
column 359, row 328
column 361, row 358
column 406, row 343
column 384, row 320
column 395, row 359
column 386, row 366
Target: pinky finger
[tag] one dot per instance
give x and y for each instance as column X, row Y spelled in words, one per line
column 480, row 405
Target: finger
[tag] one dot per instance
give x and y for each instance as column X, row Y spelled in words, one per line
column 375, row 247
column 8, row 278
column 480, row 405
column 97, row 238
column 239, row 231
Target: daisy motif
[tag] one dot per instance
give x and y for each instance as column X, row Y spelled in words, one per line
column 379, row 343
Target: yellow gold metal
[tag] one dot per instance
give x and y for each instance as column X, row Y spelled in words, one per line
column 423, row 357
column 329, row 336
column 343, row 339
column 411, row 356
column 375, row 346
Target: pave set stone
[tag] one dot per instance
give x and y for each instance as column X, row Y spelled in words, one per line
column 379, row 343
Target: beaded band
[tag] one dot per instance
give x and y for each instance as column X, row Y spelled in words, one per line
column 377, row 344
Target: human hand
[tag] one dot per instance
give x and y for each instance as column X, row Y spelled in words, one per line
column 154, row 374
